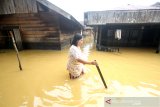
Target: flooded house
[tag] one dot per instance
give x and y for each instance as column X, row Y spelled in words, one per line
column 88, row 31
column 126, row 27
column 35, row 24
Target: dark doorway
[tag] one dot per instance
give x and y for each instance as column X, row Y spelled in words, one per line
column 148, row 38
column 6, row 40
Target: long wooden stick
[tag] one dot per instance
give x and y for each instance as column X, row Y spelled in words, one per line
column 99, row 71
column 15, row 47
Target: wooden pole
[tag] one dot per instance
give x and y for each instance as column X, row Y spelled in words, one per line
column 15, row 47
column 158, row 47
column 99, row 71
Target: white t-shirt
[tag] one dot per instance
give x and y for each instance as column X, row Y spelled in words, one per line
column 73, row 66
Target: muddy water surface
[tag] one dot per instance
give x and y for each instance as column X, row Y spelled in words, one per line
column 44, row 81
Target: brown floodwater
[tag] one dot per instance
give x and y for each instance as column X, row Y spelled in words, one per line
column 44, row 81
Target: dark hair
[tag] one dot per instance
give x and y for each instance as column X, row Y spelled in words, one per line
column 76, row 38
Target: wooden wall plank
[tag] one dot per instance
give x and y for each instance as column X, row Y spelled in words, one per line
column 38, row 39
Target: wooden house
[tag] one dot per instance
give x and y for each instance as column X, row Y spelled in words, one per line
column 88, row 31
column 36, row 24
column 129, row 27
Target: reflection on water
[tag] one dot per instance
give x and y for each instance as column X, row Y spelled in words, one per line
column 88, row 45
column 44, row 81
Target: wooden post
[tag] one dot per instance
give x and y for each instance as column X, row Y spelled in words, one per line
column 158, row 47
column 158, row 37
column 100, row 36
column 15, row 47
column 96, row 35
column 98, row 45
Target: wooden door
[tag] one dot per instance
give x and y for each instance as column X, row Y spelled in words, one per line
column 18, row 39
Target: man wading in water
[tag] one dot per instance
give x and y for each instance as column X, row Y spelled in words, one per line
column 76, row 59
